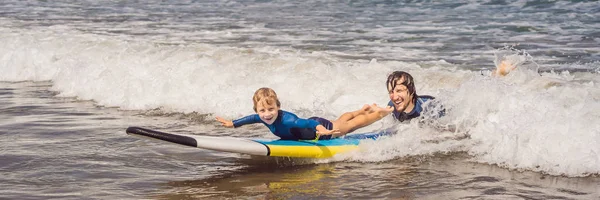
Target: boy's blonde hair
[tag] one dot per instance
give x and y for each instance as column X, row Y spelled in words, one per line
column 265, row 94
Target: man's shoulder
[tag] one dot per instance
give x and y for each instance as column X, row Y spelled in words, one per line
column 425, row 97
column 434, row 107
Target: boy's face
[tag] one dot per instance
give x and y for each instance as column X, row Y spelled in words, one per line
column 400, row 96
column 267, row 112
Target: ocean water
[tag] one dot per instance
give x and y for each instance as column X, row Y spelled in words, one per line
column 75, row 74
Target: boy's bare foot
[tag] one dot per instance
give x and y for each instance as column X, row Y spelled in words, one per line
column 365, row 109
column 504, row 68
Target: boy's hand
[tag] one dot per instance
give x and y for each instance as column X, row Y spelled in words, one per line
column 225, row 123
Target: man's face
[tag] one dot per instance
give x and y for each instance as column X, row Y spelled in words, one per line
column 400, row 96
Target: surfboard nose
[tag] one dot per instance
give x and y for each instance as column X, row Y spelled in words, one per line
column 179, row 139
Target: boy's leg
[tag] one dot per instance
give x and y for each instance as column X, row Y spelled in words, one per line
column 356, row 122
column 347, row 116
column 370, row 115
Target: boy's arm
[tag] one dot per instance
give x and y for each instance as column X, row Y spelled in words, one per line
column 305, row 123
column 250, row 119
column 225, row 123
column 321, row 130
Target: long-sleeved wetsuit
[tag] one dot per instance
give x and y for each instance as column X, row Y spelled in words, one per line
column 287, row 126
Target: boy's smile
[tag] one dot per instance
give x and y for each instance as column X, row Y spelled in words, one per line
column 267, row 112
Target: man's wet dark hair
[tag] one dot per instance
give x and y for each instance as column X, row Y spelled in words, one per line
column 408, row 82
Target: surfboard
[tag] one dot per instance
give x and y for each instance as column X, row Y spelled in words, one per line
column 262, row 147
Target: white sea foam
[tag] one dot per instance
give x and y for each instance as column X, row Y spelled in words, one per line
column 186, row 78
column 525, row 121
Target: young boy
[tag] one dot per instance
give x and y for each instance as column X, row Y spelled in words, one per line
column 288, row 126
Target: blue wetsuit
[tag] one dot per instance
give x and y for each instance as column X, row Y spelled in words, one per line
column 416, row 112
column 288, row 126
